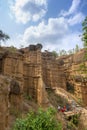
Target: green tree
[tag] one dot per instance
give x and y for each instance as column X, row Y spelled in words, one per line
column 84, row 35
column 42, row 120
column 3, row 37
column 83, row 66
column 77, row 48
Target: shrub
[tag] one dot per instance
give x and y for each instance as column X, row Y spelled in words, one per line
column 42, row 120
column 74, row 122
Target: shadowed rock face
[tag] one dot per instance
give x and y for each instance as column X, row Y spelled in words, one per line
column 79, row 78
column 39, row 46
column 53, row 71
column 31, row 48
column 60, row 62
column 4, row 102
column 35, row 47
column 9, row 100
column 15, row 88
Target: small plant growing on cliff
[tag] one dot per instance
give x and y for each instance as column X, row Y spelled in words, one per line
column 54, row 53
column 83, row 68
column 42, row 120
column 77, row 49
column 28, row 97
column 12, row 49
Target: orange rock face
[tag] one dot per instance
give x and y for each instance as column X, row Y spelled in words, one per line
column 29, row 71
column 76, row 75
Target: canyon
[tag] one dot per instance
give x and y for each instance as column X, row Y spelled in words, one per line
column 30, row 72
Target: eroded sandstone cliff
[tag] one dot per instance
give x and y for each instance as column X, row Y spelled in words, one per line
column 76, row 75
column 30, row 72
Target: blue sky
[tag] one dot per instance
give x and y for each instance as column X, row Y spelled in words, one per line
column 54, row 23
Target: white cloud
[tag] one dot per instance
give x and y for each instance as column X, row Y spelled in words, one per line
column 54, row 35
column 73, row 15
column 76, row 19
column 72, row 9
column 67, row 41
column 47, row 33
column 28, row 10
column 70, row 41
